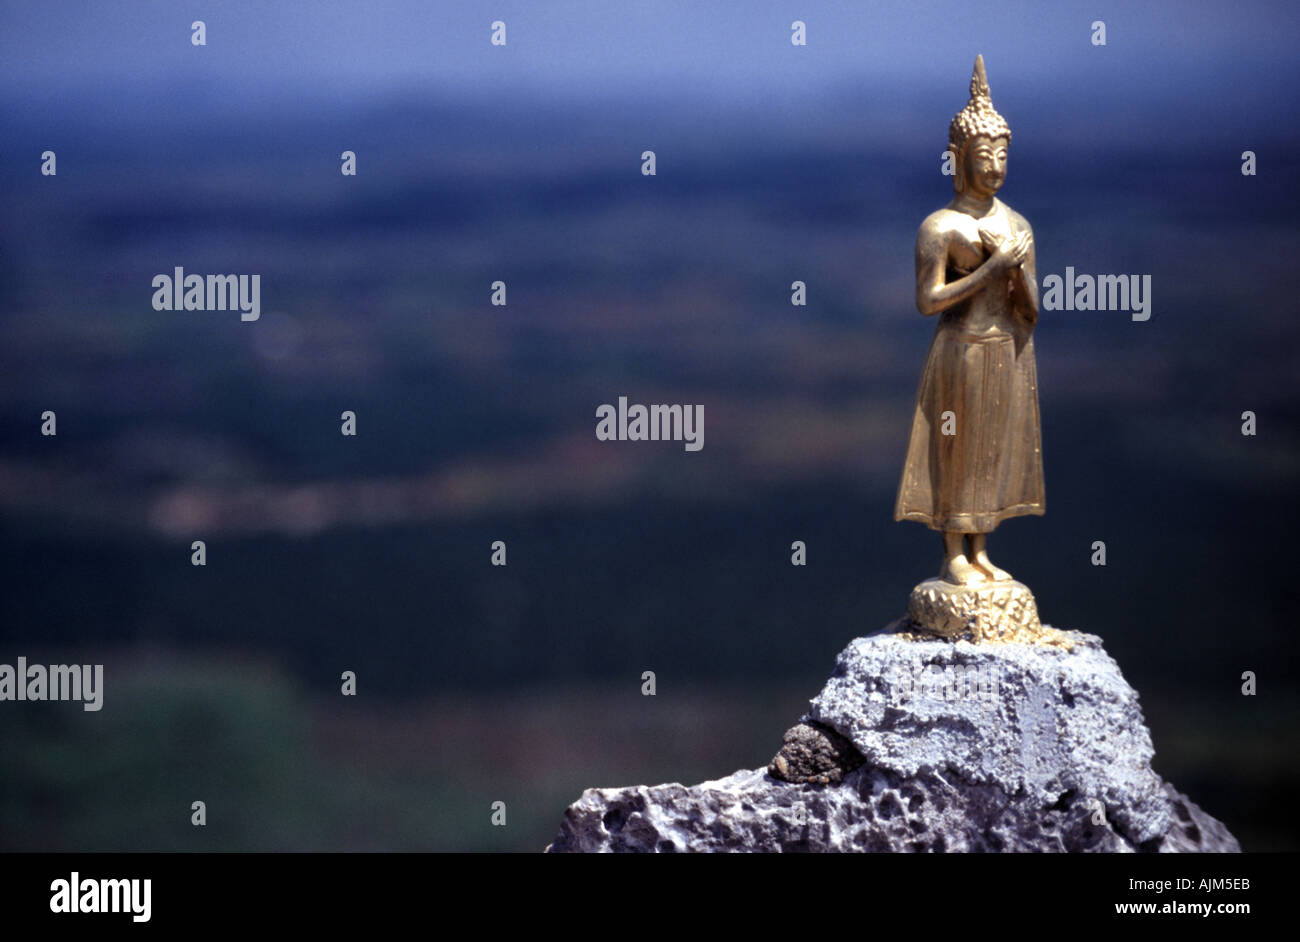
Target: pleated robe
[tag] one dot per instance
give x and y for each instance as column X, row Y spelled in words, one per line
column 990, row 467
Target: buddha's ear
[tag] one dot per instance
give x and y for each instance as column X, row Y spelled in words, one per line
column 959, row 167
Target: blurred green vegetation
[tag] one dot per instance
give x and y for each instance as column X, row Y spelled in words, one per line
column 283, row 770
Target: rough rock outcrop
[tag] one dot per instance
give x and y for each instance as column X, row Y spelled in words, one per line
column 931, row 745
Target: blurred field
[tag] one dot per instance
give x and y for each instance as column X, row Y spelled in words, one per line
column 477, row 424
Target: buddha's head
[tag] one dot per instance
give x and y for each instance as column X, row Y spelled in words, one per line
column 978, row 138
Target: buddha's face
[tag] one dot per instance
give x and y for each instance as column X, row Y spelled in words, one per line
column 986, row 165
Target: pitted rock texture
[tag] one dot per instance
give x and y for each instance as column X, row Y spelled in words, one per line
column 1039, row 720
column 872, row 810
column 963, row 747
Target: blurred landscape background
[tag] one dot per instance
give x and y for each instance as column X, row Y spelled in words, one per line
column 476, row 423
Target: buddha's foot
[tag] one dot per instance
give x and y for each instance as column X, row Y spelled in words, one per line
column 959, row 571
column 990, row 570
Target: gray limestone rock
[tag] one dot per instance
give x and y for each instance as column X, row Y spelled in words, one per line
column 931, row 745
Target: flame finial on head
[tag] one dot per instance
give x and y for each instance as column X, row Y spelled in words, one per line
column 979, row 82
column 978, row 118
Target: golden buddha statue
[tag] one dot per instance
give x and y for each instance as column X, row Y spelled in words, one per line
column 974, row 458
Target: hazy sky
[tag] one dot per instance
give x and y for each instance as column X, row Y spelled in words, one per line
column 582, row 46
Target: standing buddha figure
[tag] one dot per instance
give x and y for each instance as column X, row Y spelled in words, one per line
column 974, row 457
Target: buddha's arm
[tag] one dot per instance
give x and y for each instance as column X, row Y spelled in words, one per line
column 1024, row 286
column 933, row 294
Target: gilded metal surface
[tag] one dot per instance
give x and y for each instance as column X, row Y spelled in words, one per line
column 974, row 457
column 1002, row 611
